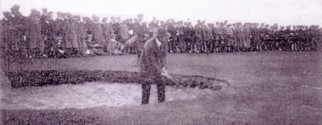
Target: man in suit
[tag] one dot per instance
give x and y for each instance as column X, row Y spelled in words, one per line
column 19, row 27
column 107, row 29
column 140, row 30
column 5, row 85
column 98, row 36
column 152, row 65
column 47, row 30
column 33, row 34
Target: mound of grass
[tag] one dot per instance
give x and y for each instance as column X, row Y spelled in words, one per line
column 56, row 77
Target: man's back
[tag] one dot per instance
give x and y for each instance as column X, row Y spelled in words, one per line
column 153, row 58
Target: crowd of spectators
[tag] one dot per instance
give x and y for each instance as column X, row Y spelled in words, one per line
column 40, row 36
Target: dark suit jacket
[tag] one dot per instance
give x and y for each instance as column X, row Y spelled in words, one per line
column 153, row 58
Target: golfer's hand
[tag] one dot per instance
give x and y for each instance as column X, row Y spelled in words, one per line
column 165, row 74
column 164, row 70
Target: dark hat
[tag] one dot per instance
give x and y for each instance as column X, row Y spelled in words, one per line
column 44, row 9
column 161, row 32
column 239, row 24
column 60, row 14
column 140, row 15
column 33, row 10
column 15, row 7
column 77, row 17
column 6, row 13
column 225, row 22
column 94, row 16
column 86, row 19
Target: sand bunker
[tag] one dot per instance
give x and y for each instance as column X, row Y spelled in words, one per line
column 89, row 95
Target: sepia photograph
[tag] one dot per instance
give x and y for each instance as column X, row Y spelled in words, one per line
column 160, row 62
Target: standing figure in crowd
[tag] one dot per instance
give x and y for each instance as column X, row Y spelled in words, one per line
column 81, row 33
column 71, row 42
column 47, row 30
column 153, row 26
column 140, row 30
column 19, row 26
column 98, row 36
column 107, row 29
column 9, row 46
column 5, row 85
column 123, row 33
column 33, row 34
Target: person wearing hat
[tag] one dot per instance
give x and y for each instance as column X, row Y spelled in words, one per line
column 153, row 65
column 107, row 28
column 123, row 34
column 140, row 17
column 59, row 25
column 97, row 31
column 209, row 37
column 140, row 30
column 33, row 34
column 5, row 85
column 7, row 35
column 20, row 27
column 230, row 38
column 199, row 33
column 173, row 31
column 81, row 33
column 71, row 43
column 15, row 10
column 115, row 25
column 47, row 30
column 153, row 25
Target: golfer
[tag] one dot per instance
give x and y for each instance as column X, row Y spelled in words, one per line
column 153, row 65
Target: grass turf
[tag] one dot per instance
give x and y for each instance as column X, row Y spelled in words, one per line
column 266, row 88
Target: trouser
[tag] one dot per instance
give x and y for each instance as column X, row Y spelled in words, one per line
column 146, row 88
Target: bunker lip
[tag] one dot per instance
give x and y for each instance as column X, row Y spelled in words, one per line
column 57, row 77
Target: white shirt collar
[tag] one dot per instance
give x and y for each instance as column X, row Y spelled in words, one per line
column 158, row 42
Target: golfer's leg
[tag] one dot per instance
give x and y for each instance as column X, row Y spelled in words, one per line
column 145, row 92
column 161, row 91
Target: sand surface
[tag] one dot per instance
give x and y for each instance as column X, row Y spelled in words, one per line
column 90, row 95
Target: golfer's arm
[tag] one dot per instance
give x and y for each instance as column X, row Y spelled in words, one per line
column 152, row 60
